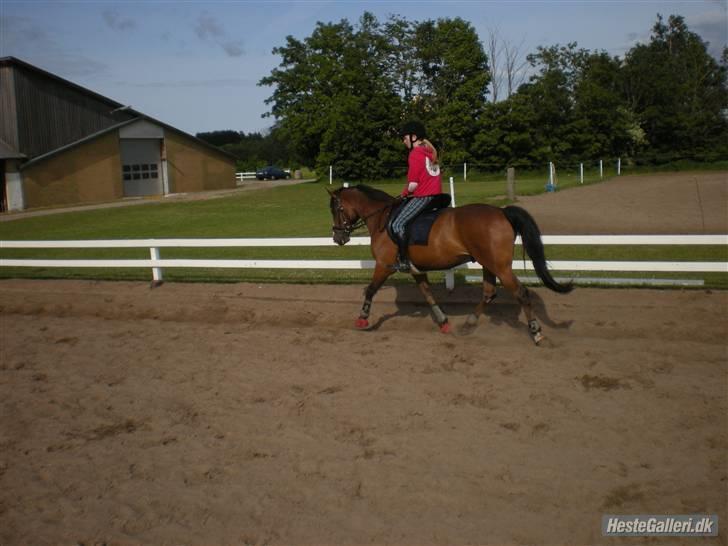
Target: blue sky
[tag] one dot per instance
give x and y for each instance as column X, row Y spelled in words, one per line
column 195, row 65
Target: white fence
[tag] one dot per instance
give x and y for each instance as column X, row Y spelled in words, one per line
column 242, row 177
column 157, row 264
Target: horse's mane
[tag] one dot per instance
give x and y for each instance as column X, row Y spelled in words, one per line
column 373, row 193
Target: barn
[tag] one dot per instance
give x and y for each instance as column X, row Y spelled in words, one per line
column 62, row 144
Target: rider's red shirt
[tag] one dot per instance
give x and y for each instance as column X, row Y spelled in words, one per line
column 423, row 171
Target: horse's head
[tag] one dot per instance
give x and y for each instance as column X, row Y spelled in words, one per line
column 344, row 215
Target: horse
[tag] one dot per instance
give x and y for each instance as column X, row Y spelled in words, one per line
column 476, row 232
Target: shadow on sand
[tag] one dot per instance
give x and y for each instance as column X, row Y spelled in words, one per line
column 460, row 302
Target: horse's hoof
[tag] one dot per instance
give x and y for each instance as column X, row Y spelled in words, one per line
column 445, row 328
column 465, row 329
column 538, row 337
column 361, row 324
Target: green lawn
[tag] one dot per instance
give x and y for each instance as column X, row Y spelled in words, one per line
column 288, row 211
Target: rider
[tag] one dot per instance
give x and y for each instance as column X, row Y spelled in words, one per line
column 423, row 183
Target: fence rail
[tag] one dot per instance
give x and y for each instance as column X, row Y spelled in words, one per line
column 157, row 264
column 241, row 177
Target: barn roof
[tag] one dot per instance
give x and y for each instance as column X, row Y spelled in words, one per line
column 130, row 114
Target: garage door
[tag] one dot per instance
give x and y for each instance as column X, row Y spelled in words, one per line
column 141, row 167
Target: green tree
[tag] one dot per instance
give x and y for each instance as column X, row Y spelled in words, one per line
column 220, row 138
column 453, row 84
column 340, row 94
column 508, row 134
column 333, row 100
column 678, row 91
column 572, row 109
column 611, row 127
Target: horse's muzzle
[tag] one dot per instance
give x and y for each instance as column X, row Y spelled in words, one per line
column 341, row 236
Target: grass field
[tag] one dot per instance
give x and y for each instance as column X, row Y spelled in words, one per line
column 289, row 211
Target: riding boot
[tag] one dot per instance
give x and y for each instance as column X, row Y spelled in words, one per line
column 403, row 264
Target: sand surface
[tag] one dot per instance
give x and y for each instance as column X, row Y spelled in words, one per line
column 256, row 414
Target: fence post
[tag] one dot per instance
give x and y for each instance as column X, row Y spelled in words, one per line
column 511, row 184
column 465, row 172
column 619, row 166
column 581, row 173
column 452, row 192
column 552, row 174
column 450, row 279
column 157, row 274
column 331, row 174
column 601, row 169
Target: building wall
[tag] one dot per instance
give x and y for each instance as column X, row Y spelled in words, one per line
column 88, row 173
column 192, row 167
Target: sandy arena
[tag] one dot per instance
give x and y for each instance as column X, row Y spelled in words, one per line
column 255, row 414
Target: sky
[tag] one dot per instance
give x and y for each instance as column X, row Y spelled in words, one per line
column 196, row 65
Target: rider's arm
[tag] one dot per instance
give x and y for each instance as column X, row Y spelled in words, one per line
column 414, row 172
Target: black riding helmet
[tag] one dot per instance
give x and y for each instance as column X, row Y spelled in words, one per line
column 413, row 127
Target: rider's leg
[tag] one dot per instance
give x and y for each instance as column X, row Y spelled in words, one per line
column 410, row 210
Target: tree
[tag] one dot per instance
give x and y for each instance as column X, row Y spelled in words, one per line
column 340, row 93
column 577, row 105
column 333, row 99
column 515, row 66
column 678, row 91
column 455, row 78
column 220, row 138
column 495, row 54
column 612, row 128
column 507, row 65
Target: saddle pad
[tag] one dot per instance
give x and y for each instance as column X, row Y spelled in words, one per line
column 418, row 231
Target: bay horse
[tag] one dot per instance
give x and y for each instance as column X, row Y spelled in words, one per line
column 476, row 232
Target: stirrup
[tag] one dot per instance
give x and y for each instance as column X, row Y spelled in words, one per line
column 402, row 266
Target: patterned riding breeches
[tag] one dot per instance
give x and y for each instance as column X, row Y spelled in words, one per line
column 410, row 210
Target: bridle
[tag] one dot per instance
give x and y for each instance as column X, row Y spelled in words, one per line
column 347, row 225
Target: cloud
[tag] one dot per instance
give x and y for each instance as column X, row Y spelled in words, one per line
column 233, row 49
column 715, row 29
column 207, row 27
column 23, row 39
column 209, row 30
column 116, row 22
column 711, row 27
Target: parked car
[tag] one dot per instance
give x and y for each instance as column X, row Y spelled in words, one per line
column 274, row 173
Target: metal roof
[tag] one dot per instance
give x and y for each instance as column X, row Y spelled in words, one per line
column 138, row 116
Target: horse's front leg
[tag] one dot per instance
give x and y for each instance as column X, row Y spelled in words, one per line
column 381, row 273
column 440, row 317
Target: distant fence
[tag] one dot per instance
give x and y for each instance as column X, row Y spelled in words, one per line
column 463, row 170
column 158, row 264
column 241, row 177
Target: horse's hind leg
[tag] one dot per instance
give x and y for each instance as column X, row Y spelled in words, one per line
column 489, row 294
column 523, row 295
column 440, row 317
column 381, row 274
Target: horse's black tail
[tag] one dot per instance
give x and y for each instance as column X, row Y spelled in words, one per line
column 525, row 226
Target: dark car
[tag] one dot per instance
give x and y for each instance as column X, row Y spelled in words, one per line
column 274, row 173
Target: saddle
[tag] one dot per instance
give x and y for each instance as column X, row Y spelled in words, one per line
column 418, row 230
